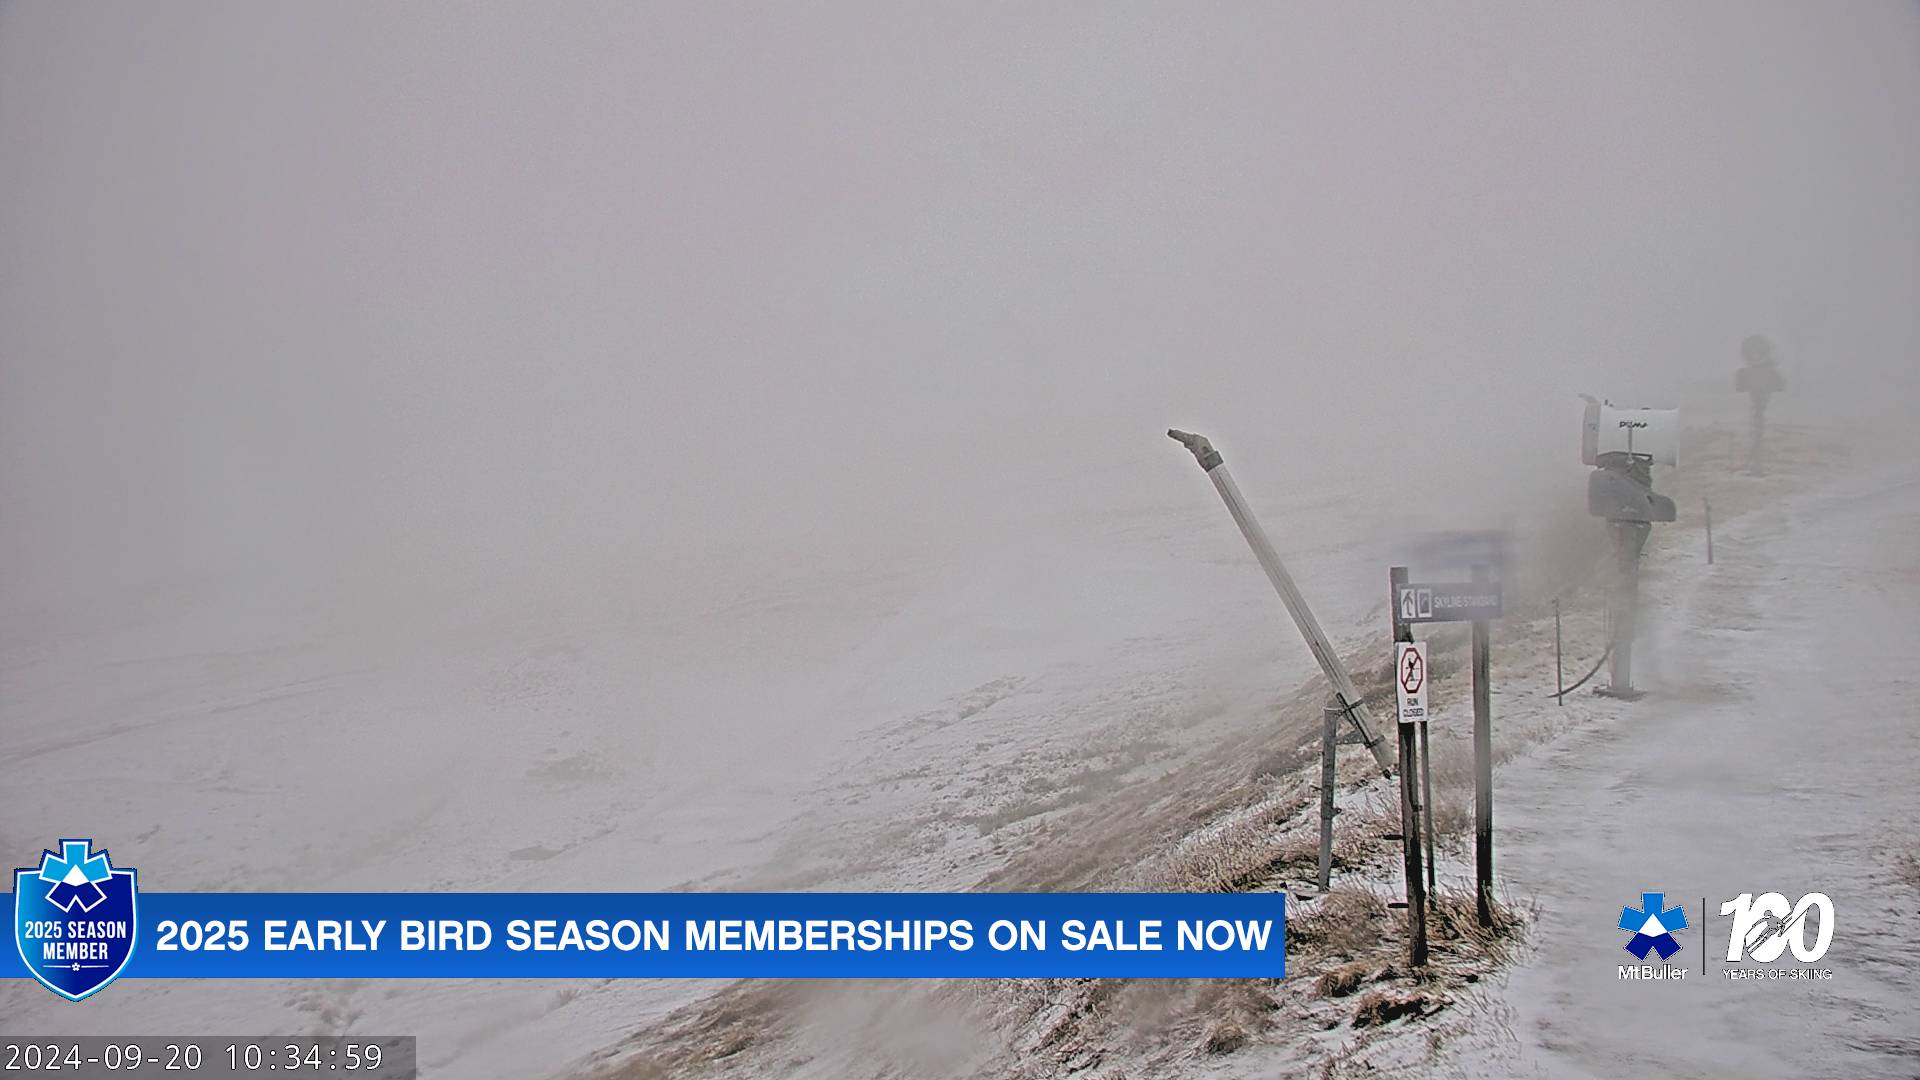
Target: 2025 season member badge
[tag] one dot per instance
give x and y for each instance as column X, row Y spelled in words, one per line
column 73, row 919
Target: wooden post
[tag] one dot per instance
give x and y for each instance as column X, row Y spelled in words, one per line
column 1426, row 793
column 1482, row 767
column 1707, row 504
column 1329, row 732
column 1409, row 801
column 1410, row 834
column 1559, row 673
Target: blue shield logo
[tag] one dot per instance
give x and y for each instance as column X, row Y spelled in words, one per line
column 74, row 919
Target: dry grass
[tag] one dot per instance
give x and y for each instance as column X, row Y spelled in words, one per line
column 1380, row 1007
column 1347, row 922
column 1233, row 856
column 729, row 1023
column 1453, row 926
column 1341, row 981
column 1907, row 867
column 1222, row 822
column 1350, row 934
column 1223, row 1037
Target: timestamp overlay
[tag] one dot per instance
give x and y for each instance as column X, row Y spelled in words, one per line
column 78, row 1057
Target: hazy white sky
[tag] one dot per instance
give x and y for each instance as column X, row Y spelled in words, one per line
column 332, row 296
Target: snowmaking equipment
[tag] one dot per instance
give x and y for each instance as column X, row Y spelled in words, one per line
column 1346, row 697
column 1759, row 379
column 1623, row 446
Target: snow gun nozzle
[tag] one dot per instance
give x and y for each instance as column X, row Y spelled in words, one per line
column 1203, row 451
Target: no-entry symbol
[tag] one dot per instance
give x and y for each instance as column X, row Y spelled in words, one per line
column 1410, row 680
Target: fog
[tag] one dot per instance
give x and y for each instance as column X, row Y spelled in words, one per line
column 355, row 310
column 722, row 446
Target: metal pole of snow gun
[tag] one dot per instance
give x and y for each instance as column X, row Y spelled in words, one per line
column 1343, row 688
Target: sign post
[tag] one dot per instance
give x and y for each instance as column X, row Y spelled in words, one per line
column 1482, row 765
column 1410, row 682
column 1410, row 687
column 1329, row 734
column 1478, row 601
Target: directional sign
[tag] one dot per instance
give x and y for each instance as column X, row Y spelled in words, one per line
column 1463, row 601
column 1410, row 680
column 1416, row 604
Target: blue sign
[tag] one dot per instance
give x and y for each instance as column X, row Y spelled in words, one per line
column 698, row 935
column 75, row 919
column 79, row 924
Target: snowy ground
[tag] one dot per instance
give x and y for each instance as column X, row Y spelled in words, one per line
column 895, row 726
column 1774, row 753
column 1597, row 801
column 930, row 714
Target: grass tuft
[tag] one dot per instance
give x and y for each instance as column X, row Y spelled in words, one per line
column 1342, row 980
column 1379, row 1007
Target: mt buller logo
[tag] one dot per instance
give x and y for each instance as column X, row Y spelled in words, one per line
column 1652, row 926
column 74, row 919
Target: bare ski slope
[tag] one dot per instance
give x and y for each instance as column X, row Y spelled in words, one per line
column 1775, row 753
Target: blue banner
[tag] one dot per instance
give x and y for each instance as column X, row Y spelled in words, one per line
column 706, row 935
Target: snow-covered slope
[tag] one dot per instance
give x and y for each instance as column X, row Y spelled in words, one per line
column 1775, row 753
column 1465, row 1030
column 898, row 725
column 890, row 723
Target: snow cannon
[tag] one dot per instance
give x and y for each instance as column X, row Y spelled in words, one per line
column 1623, row 446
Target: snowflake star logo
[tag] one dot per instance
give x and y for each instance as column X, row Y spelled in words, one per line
column 76, row 877
column 1652, row 926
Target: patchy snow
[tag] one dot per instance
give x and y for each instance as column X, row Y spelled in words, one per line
column 931, row 714
column 1774, row 752
column 896, row 726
